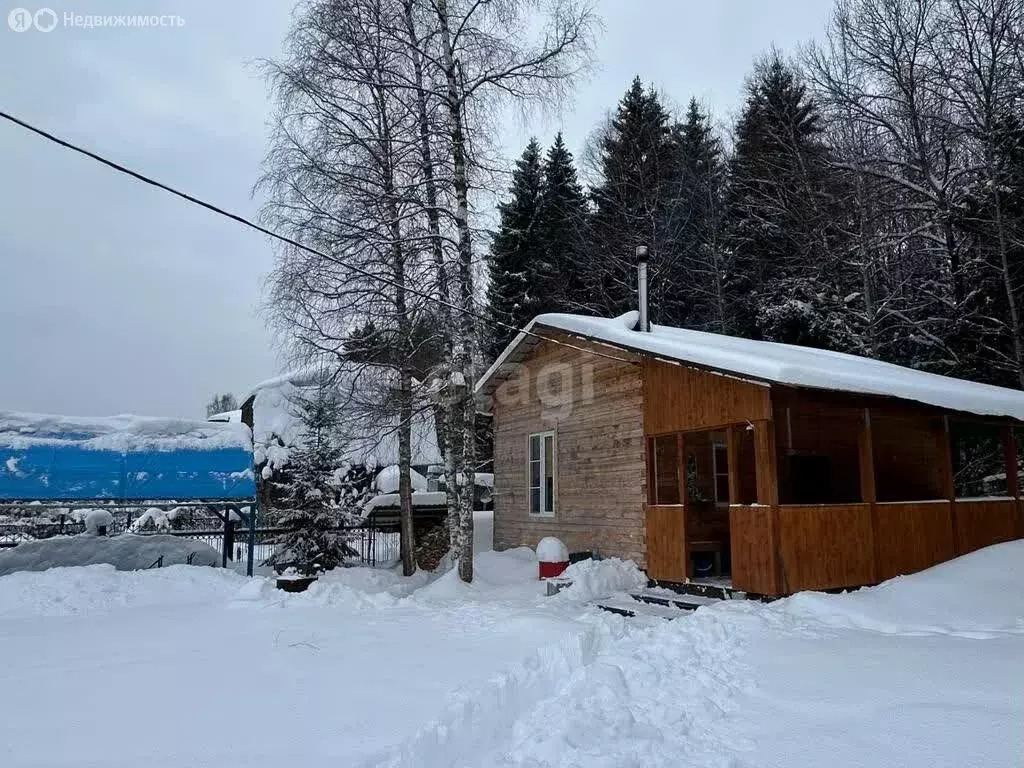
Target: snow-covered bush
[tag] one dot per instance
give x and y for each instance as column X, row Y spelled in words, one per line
column 98, row 522
column 153, row 519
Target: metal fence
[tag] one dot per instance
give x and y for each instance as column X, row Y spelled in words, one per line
column 378, row 544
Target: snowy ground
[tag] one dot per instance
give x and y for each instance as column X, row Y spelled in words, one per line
column 197, row 666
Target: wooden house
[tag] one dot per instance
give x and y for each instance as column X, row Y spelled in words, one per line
column 786, row 468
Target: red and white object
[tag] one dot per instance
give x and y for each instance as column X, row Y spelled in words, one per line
column 553, row 556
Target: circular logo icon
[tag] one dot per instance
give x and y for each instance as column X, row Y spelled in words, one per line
column 45, row 19
column 20, row 20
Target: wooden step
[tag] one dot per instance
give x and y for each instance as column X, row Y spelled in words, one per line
column 626, row 606
column 680, row 601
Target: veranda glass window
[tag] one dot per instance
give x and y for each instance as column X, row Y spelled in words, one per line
column 721, row 467
column 665, row 452
column 542, row 473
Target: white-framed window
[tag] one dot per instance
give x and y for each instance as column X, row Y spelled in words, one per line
column 541, row 473
column 720, row 463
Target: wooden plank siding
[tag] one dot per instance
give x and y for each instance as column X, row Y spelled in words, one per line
column 911, row 536
column 666, row 542
column 825, row 546
column 681, row 399
column 754, row 552
column 984, row 522
column 600, row 472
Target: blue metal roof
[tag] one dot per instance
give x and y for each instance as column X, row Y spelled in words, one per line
column 45, row 458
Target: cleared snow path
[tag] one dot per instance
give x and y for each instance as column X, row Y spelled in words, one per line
column 923, row 671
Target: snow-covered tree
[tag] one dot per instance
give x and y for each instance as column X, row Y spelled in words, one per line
column 315, row 502
column 516, row 251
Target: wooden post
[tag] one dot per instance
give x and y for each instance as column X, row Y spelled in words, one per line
column 766, row 459
column 684, row 492
column 1010, row 454
column 684, row 499
column 652, row 482
column 948, row 479
column 946, row 461
column 732, row 451
column 868, row 491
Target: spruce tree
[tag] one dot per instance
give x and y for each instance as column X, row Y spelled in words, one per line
column 787, row 282
column 702, row 203
column 637, row 204
column 516, row 252
column 311, row 491
column 561, row 231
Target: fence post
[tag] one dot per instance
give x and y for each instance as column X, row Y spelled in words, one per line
column 250, row 555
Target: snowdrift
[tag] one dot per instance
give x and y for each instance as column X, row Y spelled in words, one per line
column 126, row 552
column 978, row 592
column 100, row 589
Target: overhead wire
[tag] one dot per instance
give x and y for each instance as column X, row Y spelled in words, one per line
column 239, row 219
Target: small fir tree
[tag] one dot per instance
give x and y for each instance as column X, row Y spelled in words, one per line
column 313, row 495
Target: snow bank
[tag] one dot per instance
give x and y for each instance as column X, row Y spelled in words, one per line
column 126, row 552
column 593, row 579
column 977, row 593
column 101, row 589
column 511, row 574
column 784, row 363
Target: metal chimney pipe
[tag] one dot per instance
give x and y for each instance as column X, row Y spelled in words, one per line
column 641, row 282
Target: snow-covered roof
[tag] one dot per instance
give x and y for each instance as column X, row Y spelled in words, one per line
column 419, row 499
column 769, row 362
column 370, row 438
column 48, row 457
column 226, row 416
column 120, row 433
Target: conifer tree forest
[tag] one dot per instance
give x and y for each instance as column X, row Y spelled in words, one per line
column 867, row 198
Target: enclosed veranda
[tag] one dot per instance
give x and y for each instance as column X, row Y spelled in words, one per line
column 832, row 490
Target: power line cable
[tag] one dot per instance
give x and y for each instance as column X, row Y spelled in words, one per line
column 284, row 238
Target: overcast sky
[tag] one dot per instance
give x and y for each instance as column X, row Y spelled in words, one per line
column 117, row 298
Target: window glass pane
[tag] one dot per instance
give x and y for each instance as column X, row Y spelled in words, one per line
column 535, row 474
column 534, row 447
column 666, row 470
column 549, row 494
column 549, row 462
column 535, row 500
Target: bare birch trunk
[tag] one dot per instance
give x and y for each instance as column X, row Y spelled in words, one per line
column 463, row 448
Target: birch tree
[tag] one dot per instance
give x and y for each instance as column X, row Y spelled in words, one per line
column 343, row 177
column 482, row 55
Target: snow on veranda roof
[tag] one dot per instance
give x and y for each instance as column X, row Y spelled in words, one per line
column 767, row 361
